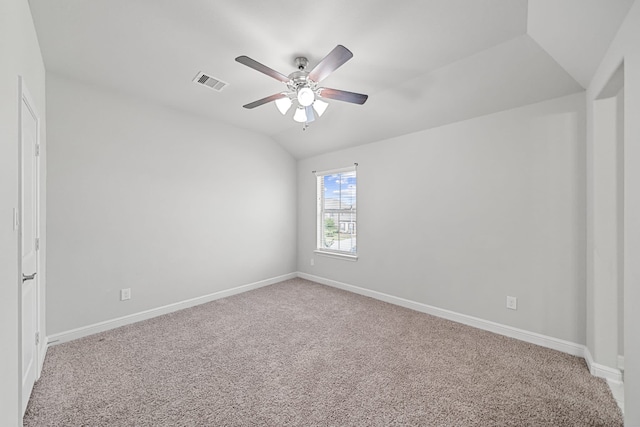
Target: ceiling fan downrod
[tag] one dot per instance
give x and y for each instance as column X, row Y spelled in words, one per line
column 301, row 63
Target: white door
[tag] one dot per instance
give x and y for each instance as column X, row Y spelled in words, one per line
column 29, row 139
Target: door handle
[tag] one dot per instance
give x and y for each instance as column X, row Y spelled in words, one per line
column 25, row 277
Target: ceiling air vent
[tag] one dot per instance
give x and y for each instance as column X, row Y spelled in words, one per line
column 210, row 82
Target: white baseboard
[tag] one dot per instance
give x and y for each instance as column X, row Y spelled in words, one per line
column 84, row 331
column 509, row 331
column 602, row 371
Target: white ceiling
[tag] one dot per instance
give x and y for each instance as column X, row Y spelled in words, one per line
column 423, row 63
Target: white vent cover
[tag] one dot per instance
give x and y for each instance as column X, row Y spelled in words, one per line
column 210, row 82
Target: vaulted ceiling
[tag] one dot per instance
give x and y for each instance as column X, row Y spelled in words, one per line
column 423, row 63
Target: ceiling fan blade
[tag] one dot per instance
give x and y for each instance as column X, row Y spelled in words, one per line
column 338, row 56
column 343, row 95
column 262, row 68
column 259, row 102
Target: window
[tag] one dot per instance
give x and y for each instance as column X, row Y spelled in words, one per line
column 336, row 223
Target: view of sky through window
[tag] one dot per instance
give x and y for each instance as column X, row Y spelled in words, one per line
column 340, row 187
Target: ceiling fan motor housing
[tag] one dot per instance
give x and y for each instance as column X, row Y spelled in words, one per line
column 300, row 80
column 301, row 63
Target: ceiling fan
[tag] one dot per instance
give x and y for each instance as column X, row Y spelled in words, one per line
column 302, row 86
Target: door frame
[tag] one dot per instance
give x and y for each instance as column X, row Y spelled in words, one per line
column 25, row 97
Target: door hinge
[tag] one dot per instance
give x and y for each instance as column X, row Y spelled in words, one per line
column 37, row 243
column 37, row 338
column 37, row 150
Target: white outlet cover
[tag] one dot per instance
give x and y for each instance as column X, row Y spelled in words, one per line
column 512, row 303
column 125, row 294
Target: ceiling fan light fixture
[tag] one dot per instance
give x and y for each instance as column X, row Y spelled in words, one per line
column 320, row 106
column 283, row 105
column 305, row 96
column 300, row 115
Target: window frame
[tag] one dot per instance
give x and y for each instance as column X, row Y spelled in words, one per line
column 320, row 213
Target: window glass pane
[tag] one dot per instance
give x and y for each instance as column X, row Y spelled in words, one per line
column 329, row 234
column 331, row 191
column 337, row 211
column 348, row 190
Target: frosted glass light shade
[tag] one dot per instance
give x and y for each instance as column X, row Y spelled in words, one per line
column 320, row 106
column 310, row 116
column 283, row 104
column 305, row 96
column 300, row 116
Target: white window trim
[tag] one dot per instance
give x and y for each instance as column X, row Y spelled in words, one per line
column 340, row 255
column 334, row 171
column 329, row 253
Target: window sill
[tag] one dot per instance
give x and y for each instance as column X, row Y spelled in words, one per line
column 337, row 255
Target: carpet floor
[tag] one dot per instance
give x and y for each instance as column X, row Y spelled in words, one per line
column 302, row 354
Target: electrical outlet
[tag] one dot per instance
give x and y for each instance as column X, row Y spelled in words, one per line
column 125, row 294
column 312, row 262
column 512, row 303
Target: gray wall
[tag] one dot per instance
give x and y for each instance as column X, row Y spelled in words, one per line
column 170, row 205
column 20, row 55
column 460, row 216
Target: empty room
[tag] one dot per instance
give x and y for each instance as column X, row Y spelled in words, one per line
column 420, row 213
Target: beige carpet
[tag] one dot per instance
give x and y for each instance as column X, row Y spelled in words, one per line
column 299, row 353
